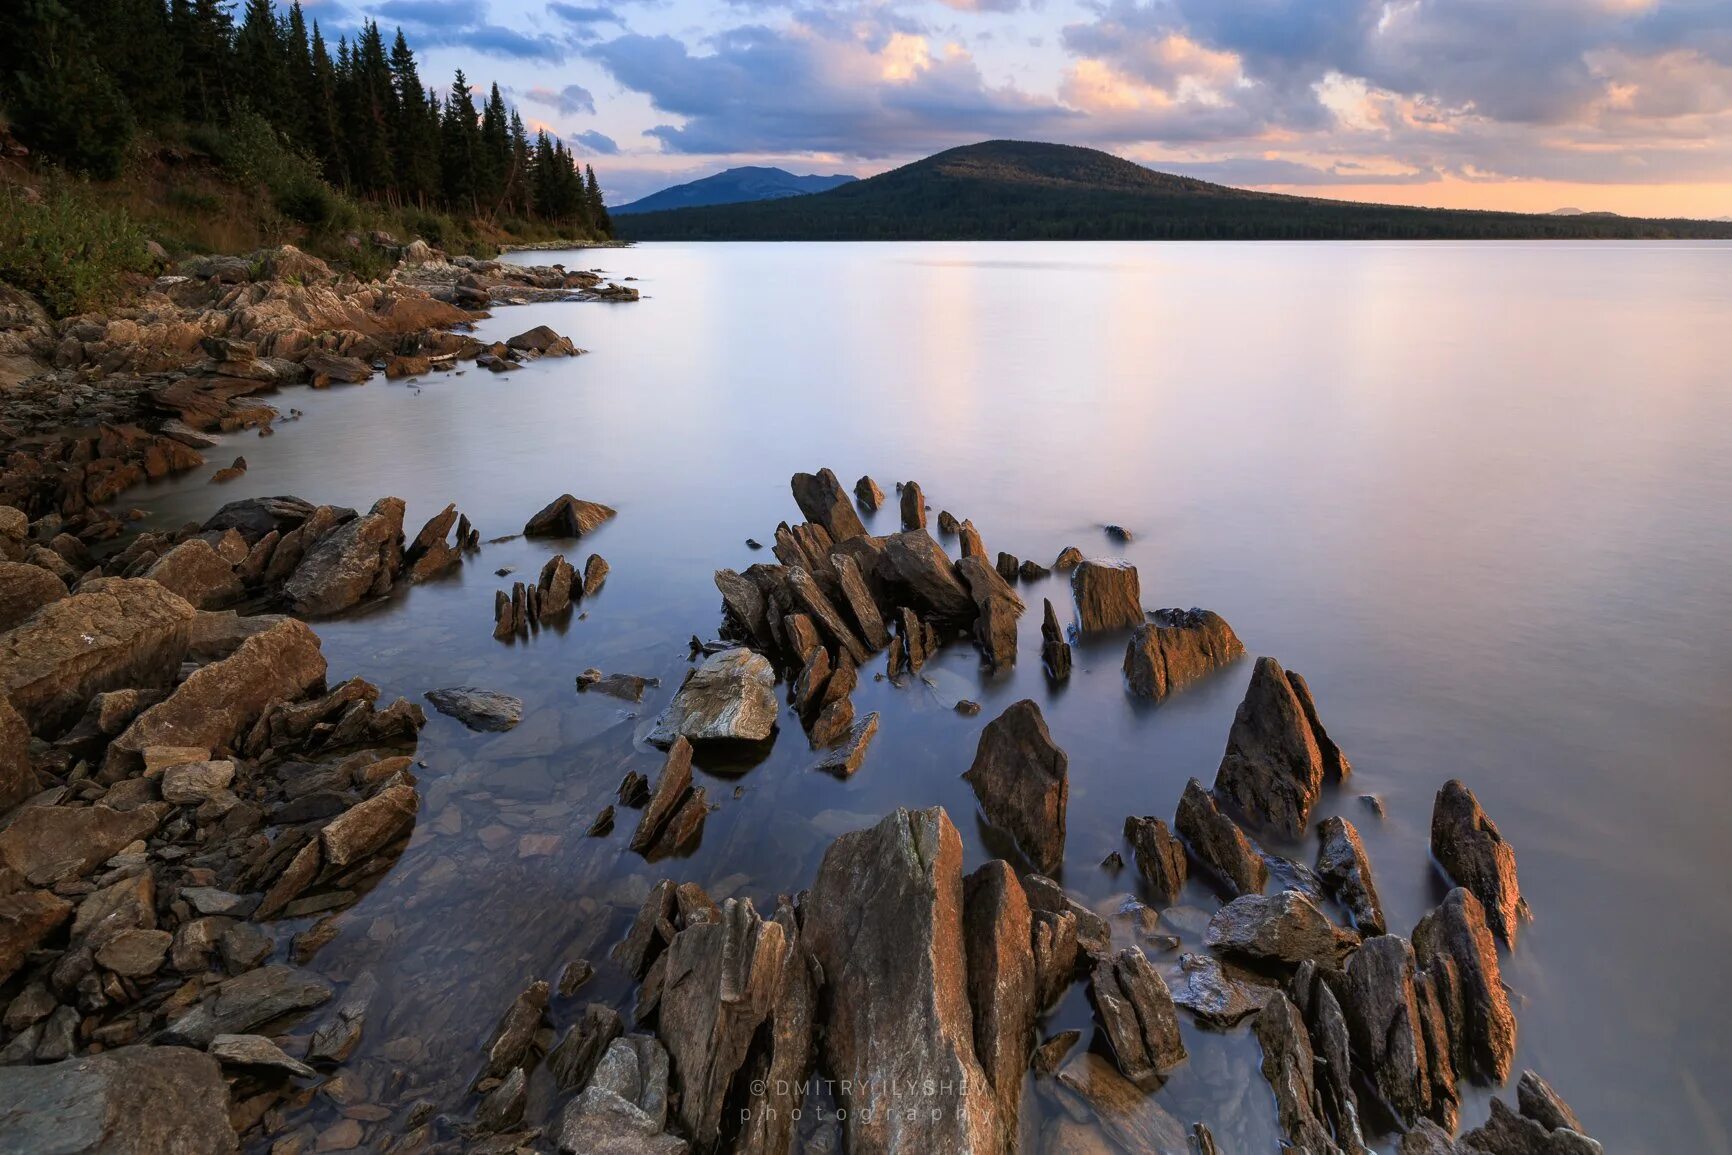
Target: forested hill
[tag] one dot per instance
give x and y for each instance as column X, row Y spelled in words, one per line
column 1019, row 190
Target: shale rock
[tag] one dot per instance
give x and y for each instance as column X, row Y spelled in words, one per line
column 822, row 499
column 357, row 559
column 1022, row 780
column 1282, row 928
column 137, row 1100
column 1054, row 650
column 197, row 573
column 478, row 709
column 248, row 1001
column 1345, row 869
column 1108, row 596
column 65, row 841
column 1137, row 1012
column 1382, row 1003
column 1213, row 995
column 731, row 696
column 1288, row 1065
column 674, row 814
column 997, row 929
column 917, row 568
column 1274, row 766
column 1176, row 648
column 566, row 516
column 1160, row 856
column 1466, row 843
column 1455, row 946
column 1218, row 842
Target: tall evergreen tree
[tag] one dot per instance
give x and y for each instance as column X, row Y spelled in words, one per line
column 415, row 142
column 460, row 140
column 261, row 58
column 323, row 138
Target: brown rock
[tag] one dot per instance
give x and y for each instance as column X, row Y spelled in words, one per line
column 866, row 491
column 1273, row 768
column 1054, row 650
column 913, row 506
column 17, row 778
column 918, row 570
column 1218, row 842
column 1288, row 1065
column 27, row 918
column 1345, row 869
column 72, row 841
column 1281, row 928
column 1381, row 1002
column 24, row 589
column 359, row 558
column 369, row 826
column 1137, row 1013
column 136, row 1100
column 1454, row 945
column 1022, row 780
column 1466, row 843
column 566, row 516
column 860, row 602
column 1108, row 596
column 1177, row 648
column 1159, row 855
column 997, row 928
column 822, row 500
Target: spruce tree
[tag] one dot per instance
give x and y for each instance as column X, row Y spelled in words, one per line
column 323, row 139
column 599, row 221
column 459, row 137
column 414, row 146
column 261, row 59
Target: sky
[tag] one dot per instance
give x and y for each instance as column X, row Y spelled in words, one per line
column 1603, row 105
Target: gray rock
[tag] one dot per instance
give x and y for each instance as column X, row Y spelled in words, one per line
column 357, row 559
column 1466, row 843
column 1108, row 595
column 574, row 1061
column 238, row 1005
column 1213, row 995
column 256, row 1051
column 1176, row 648
column 485, row 710
column 24, row 589
column 731, row 696
column 1022, row 780
column 1282, row 928
column 1136, row 1011
column 1288, row 1065
column 1345, row 869
column 131, row 1101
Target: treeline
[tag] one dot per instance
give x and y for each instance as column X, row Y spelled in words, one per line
column 80, row 78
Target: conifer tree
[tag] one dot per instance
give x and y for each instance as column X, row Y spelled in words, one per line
column 459, row 138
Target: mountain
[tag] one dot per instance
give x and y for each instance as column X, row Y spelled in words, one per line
column 732, row 187
column 1020, row 190
column 1566, row 213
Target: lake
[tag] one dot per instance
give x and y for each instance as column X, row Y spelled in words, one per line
column 1480, row 495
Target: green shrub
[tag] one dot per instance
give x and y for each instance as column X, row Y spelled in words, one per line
column 65, row 248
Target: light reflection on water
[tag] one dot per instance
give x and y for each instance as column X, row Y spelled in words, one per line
column 1475, row 493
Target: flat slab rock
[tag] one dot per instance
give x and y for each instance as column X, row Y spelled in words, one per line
column 1284, row 928
column 478, row 709
column 730, row 697
column 130, row 1101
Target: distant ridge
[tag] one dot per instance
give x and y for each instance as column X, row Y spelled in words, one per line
column 734, row 186
column 1021, row 190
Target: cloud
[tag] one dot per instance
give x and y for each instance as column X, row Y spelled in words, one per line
column 866, row 86
column 433, row 13
column 466, row 24
column 579, row 14
column 570, row 100
column 598, row 143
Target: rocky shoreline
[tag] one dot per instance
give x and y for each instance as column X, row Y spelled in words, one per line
column 180, row 783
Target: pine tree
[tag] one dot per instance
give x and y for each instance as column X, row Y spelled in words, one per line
column 323, row 139
column 261, row 58
column 493, row 169
column 459, row 137
column 205, row 34
column 60, row 99
column 414, row 144
column 600, row 223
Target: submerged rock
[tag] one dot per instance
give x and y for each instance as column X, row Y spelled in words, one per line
column 485, row 710
column 1022, row 780
column 731, row 696
column 1108, row 596
column 1274, row 766
column 1176, row 648
column 1466, row 843
column 846, row 757
column 885, row 922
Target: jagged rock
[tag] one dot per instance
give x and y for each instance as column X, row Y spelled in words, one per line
column 913, row 506
column 731, row 696
column 335, row 1039
column 1284, row 928
column 1218, row 842
column 1093, row 934
column 1454, row 945
column 866, row 491
column 555, row 586
column 997, row 608
column 191, row 783
column 917, row 568
column 566, row 516
column 541, row 340
column 1160, row 857
column 860, row 602
column 675, row 812
column 357, row 559
column 114, row 633
column 259, row 1052
column 718, row 988
column 624, row 1109
column 219, row 703
column 430, row 553
column 884, row 921
column 1108, row 596
column 1288, row 1065
column 997, row 928
column 845, row 757
column 595, row 572
column 1427, row 1138
column 137, row 1100
column 510, row 1042
column 239, row 1005
column 1136, row 1011
column 574, row 1060
column 369, row 826
column 1213, row 995
column 197, row 573
column 1022, row 780
column 1466, row 843
column 1053, row 940
column 811, row 598
column 1381, row 1003
column 27, row 918
column 778, row 1066
column 255, row 517
column 24, row 589
column 1054, row 650
column 64, row 841
column 1176, row 648
column 1006, row 565
column 1032, row 571
column 17, row 777
column 1314, row 995
column 1124, row 1110
column 970, row 543
column 822, row 499
column 1274, row 766
column 1345, row 869
column 485, row 710
column 1543, row 1124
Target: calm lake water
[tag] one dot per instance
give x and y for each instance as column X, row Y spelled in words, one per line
column 1480, row 495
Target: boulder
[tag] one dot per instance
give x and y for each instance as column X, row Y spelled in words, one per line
column 1022, row 780
column 1212, row 994
column 1137, row 1013
column 327, row 368
column 997, row 928
column 192, row 783
column 542, row 341
column 566, row 516
column 1288, row 1065
column 1108, row 596
column 731, row 696
column 17, row 777
column 918, row 570
column 71, row 841
column 1381, row 1002
column 1176, row 648
column 24, row 589
column 867, row 493
column 1218, row 843
column 1274, row 767
column 218, row 704
column 913, row 506
column 239, row 1005
column 1159, row 855
column 624, row 1109
column 822, row 499
column 357, row 559
column 27, row 918
column 369, row 826
column 1467, row 845
column 1455, row 946
column 1345, row 869
column 137, row 1100
column 1282, row 928
column 114, row 633
column 884, row 921
column 484, row 710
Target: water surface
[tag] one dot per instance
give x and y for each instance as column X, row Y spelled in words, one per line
column 1477, row 494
